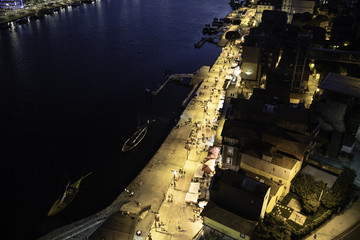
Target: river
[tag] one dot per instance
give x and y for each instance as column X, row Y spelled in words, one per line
column 72, row 86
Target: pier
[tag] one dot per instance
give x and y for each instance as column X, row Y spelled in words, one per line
column 173, row 77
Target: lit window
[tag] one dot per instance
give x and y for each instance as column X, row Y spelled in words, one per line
column 229, row 160
column 230, row 150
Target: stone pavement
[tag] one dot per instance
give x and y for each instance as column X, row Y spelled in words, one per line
column 338, row 224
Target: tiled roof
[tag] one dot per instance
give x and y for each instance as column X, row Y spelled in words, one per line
column 245, row 183
column 229, row 219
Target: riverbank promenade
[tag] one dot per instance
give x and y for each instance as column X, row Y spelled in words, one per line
column 148, row 194
column 160, row 189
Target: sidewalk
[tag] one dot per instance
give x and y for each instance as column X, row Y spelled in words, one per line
column 338, row 224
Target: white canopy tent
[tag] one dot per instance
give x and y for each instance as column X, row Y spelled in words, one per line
column 191, row 198
column 194, row 187
column 199, row 173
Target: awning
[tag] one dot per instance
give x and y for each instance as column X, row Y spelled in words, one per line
column 202, row 204
column 213, row 156
column 199, row 173
column 191, row 198
column 209, row 166
column 194, row 188
column 214, row 150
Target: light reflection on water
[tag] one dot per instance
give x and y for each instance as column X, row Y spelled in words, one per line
column 74, row 83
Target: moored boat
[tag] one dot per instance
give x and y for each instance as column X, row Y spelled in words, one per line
column 136, row 138
column 22, row 20
column 69, row 194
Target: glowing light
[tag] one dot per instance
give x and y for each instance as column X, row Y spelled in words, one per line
column 248, row 71
column 312, row 65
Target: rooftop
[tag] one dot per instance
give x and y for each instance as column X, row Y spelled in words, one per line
column 277, row 158
column 243, row 182
column 228, row 219
column 237, row 129
column 341, row 84
column 320, row 175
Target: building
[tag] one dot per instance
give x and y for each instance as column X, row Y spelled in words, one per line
column 338, row 94
column 261, row 6
column 262, row 47
column 239, row 194
column 266, row 118
column 297, row 6
column 11, row 4
column 226, row 225
column 271, row 164
column 250, row 66
column 277, row 190
column 236, row 135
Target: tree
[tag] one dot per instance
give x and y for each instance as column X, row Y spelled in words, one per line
column 342, row 191
column 272, row 227
column 311, row 203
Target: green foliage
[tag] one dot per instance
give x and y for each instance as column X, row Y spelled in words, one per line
column 311, row 203
column 307, row 228
column 272, row 227
column 309, row 191
column 342, row 191
column 304, row 185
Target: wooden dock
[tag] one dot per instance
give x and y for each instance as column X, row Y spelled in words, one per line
column 169, row 78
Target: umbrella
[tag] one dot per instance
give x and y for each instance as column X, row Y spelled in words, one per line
column 214, row 150
column 213, row 155
column 209, row 166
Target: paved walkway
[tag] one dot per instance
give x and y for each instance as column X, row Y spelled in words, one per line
column 338, row 224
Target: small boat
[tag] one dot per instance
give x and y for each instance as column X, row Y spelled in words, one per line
column 136, row 138
column 22, row 20
column 69, row 194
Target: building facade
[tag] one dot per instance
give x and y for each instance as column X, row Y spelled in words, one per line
column 261, row 6
column 11, row 4
column 292, row 7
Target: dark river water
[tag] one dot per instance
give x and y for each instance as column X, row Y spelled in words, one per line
column 72, row 86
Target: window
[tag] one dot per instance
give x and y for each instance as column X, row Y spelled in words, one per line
column 230, row 150
column 229, row 160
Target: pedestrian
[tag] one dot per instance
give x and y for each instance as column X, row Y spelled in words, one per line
column 194, row 218
column 315, row 235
